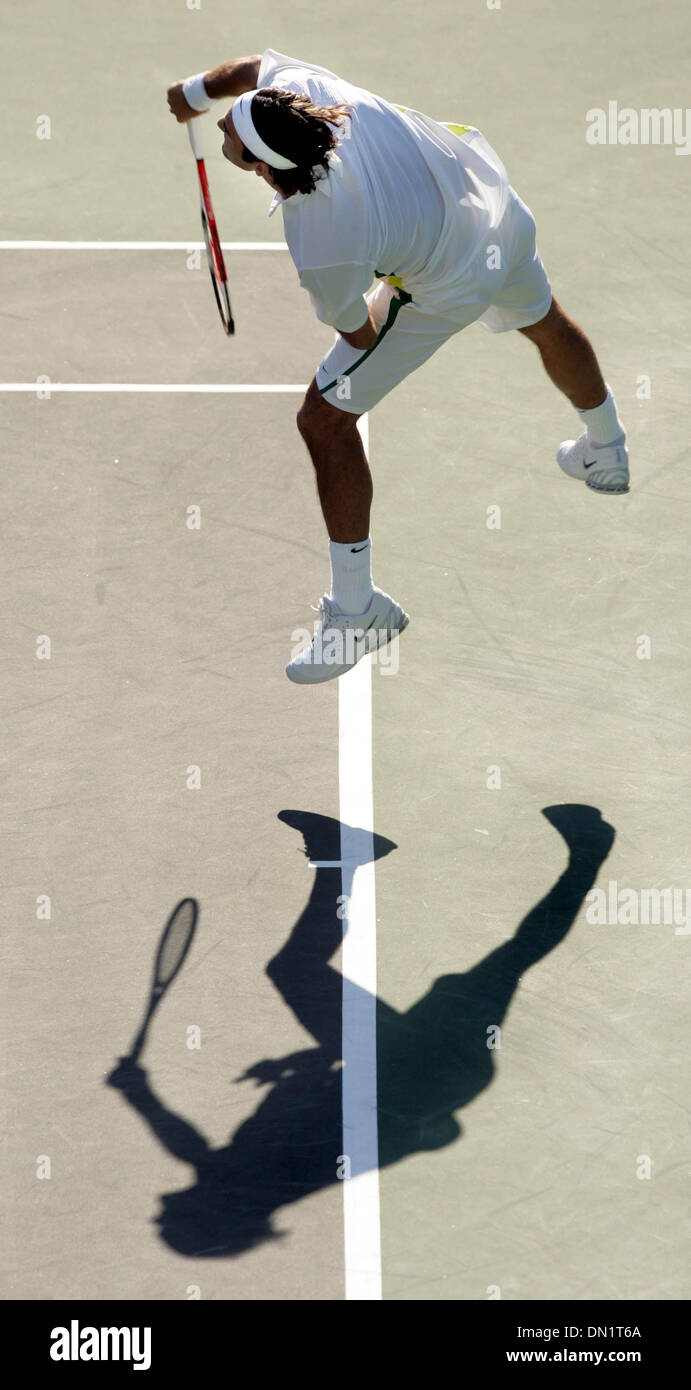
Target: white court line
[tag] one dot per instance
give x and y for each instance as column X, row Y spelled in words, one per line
column 139, row 245
column 361, row 1217
column 47, row 386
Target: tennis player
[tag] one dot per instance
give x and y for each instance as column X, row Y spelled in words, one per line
column 374, row 191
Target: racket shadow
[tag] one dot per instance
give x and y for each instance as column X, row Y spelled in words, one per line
column 433, row 1059
column 172, row 951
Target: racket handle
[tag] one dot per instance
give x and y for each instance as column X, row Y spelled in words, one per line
column 194, row 130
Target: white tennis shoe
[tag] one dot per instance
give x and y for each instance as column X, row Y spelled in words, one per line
column 602, row 467
column 341, row 639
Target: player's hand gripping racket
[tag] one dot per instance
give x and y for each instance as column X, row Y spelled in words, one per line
column 172, row 950
column 217, row 268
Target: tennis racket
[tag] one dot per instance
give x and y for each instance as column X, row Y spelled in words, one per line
column 217, row 268
column 172, row 950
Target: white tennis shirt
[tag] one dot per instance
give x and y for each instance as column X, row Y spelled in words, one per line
column 404, row 195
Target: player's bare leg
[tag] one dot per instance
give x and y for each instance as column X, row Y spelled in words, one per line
column 356, row 617
column 344, row 481
column 568, row 358
column 599, row 456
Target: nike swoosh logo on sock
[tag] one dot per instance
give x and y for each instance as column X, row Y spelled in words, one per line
column 355, row 551
column 589, row 465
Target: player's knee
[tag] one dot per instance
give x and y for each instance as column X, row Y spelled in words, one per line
column 306, row 419
column 311, row 417
column 317, row 418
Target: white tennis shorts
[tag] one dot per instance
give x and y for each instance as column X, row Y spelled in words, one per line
column 505, row 291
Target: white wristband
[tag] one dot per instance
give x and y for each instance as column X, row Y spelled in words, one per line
column 195, row 93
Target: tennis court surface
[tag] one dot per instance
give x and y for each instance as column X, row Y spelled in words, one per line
column 480, row 1090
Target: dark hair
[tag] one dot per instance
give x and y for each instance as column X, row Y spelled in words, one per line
column 293, row 126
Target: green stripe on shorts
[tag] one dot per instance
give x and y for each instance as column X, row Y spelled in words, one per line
column 398, row 300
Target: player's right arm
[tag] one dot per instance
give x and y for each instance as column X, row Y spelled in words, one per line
column 227, row 80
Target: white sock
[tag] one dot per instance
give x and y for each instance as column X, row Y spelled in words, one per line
column 603, row 423
column 351, row 575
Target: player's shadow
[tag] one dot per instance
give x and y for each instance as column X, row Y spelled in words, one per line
column 432, row 1059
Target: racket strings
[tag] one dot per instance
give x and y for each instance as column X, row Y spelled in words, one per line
column 217, row 271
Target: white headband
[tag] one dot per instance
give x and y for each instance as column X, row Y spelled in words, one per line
column 244, row 125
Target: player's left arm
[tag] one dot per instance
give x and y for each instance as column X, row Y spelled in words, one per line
column 364, row 337
column 338, row 293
